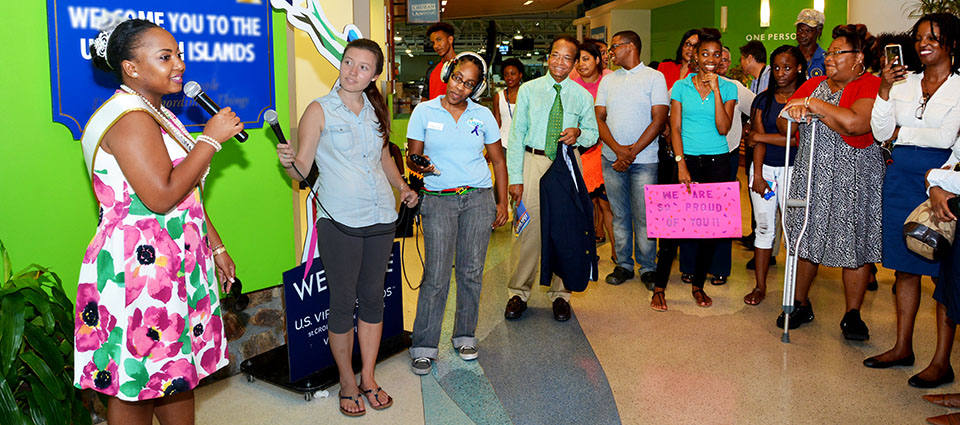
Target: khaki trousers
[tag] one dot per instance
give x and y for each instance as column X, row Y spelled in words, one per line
column 525, row 253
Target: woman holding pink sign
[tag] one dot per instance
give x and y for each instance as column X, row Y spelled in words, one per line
column 701, row 109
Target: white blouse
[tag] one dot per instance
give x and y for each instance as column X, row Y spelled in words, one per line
column 937, row 127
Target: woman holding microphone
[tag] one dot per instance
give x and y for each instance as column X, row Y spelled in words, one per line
column 154, row 233
column 346, row 134
column 458, row 208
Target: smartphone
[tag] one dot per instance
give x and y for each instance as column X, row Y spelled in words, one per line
column 894, row 54
column 423, row 162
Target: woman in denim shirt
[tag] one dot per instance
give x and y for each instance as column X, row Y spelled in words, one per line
column 345, row 132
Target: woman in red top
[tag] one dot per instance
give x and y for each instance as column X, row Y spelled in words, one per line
column 676, row 71
column 590, row 72
column 844, row 226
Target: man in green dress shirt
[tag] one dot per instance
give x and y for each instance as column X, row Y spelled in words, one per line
column 554, row 107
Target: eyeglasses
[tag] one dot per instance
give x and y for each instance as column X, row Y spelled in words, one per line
column 920, row 109
column 689, row 44
column 838, row 53
column 564, row 58
column 459, row 80
column 614, row 47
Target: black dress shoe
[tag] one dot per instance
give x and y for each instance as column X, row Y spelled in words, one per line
column 561, row 310
column 515, row 308
column 853, row 327
column 918, row 382
column 801, row 314
column 875, row 363
column 649, row 279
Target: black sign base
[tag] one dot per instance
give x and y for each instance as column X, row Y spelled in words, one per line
column 273, row 366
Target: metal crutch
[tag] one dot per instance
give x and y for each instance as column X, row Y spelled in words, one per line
column 790, row 272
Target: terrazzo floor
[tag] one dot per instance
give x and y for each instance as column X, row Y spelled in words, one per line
column 617, row 361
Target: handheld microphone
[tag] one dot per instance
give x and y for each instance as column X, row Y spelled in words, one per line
column 270, row 116
column 193, row 90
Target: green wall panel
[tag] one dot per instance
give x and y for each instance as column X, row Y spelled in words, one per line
column 48, row 213
column 743, row 23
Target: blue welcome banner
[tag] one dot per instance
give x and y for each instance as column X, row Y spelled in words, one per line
column 307, row 303
column 227, row 47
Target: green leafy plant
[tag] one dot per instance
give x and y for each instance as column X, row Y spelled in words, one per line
column 36, row 349
column 923, row 7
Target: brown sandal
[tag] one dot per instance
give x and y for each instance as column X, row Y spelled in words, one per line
column 756, row 296
column 376, row 396
column 663, row 301
column 356, row 399
column 703, row 300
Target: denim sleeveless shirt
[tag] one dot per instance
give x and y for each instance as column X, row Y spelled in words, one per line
column 352, row 185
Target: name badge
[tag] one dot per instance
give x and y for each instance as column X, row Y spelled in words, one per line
column 435, row 125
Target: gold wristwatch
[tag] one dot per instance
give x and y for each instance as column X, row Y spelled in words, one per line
column 678, row 158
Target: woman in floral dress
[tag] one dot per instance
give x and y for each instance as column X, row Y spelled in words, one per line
column 148, row 324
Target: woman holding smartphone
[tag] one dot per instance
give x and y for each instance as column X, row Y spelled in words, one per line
column 919, row 112
column 458, row 208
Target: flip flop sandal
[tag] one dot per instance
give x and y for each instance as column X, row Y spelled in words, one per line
column 663, row 299
column 376, row 396
column 706, row 298
column 356, row 399
column 757, row 299
column 686, row 278
column 718, row 280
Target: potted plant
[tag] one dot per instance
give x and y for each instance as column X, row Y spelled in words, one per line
column 36, row 349
column 923, row 7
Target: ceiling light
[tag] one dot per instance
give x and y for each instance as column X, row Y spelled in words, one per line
column 529, row 54
column 518, row 37
column 526, row 3
column 506, row 42
column 397, row 38
column 408, row 51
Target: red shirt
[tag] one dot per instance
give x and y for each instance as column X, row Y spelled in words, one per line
column 670, row 71
column 437, row 86
column 865, row 86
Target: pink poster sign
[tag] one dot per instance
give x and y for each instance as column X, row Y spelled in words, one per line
column 708, row 210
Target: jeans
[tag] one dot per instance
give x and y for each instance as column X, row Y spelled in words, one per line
column 625, row 193
column 455, row 228
column 765, row 210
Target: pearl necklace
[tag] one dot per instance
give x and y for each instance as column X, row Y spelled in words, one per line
column 180, row 133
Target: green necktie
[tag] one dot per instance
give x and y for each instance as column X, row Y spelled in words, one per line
column 554, row 126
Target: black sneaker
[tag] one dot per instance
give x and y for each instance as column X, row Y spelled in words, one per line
column 801, row 314
column 853, row 327
column 619, row 275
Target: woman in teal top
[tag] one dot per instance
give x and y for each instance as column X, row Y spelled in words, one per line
column 701, row 108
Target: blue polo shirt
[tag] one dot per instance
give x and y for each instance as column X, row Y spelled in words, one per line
column 455, row 147
column 815, row 66
column 698, row 125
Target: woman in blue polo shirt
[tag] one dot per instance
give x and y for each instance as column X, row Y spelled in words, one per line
column 458, row 208
column 701, row 107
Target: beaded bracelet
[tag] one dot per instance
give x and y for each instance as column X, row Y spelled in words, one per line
column 210, row 141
